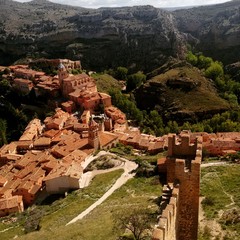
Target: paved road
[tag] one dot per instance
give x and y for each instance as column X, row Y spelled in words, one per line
column 128, row 167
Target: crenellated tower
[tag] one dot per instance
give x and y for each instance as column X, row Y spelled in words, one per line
column 183, row 169
column 179, row 219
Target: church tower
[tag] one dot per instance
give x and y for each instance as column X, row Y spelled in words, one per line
column 62, row 74
column 93, row 139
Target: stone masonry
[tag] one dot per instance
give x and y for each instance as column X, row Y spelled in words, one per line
column 179, row 219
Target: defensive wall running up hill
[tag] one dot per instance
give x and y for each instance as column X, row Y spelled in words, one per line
column 180, row 199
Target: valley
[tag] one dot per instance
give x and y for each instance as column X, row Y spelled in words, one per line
column 119, row 123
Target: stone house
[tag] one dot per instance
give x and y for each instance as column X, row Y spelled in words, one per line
column 63, row 178
column 68, row 106
column 57, row 121
column 11, row 205
column 23, row 85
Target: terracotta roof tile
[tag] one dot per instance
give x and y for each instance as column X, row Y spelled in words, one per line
column 35, row 188
column 76, row 155
column 9, row 148
column 42, row 141
column 52, row 164
column 106, row 137
column 26, row 170
column 9, row 203
column 51, row 133
column 3, row 181
column 24, row 144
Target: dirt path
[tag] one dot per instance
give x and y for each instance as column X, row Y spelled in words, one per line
column 86, row 178
column 4, row 230
column 203, row 165
column 212, row 224
column 128, row 167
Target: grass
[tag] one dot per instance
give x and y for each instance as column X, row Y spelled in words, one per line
column 81, row 199
column 212, row 159
column 128, row 153
column 203, row 97
column 63, row 210
column 218, row 185
column 106, row 82
column 100, row 223
column 205, row 234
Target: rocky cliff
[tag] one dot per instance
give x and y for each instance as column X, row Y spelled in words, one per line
column 233, row 70
column 101, row 38
column 141, row 37
column 216, row 28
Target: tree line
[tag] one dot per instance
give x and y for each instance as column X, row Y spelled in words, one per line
column 228, row 88
column 152, row 122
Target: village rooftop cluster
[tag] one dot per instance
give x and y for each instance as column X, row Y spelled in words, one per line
column 49, row 155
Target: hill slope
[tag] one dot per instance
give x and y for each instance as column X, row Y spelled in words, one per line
column 182, row 94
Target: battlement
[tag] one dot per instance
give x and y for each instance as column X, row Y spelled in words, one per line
column 179, row 218
column 183, row 157
column 181, row 147
column 166, row 227
column 189, row 164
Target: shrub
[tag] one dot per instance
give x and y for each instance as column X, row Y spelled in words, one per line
column 231, row 216
column 33, row 220
column 121, row 73
column 191, row 58
column 208, row 201
column 214, row 71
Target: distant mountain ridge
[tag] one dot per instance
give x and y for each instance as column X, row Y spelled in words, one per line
column 216, row 27
column 140, row 37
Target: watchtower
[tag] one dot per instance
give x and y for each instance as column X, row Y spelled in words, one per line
column 183, row 169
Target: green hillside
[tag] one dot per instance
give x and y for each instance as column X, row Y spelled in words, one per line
column 181, row 93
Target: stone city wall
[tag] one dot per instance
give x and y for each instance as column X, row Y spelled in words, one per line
column 179, row 219
column 166, row 227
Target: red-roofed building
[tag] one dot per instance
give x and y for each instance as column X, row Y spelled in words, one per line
column 23, row 85
column 68, row 106
column 11, row 205
column 57, row 121
column 64, row 178
column 33, row 129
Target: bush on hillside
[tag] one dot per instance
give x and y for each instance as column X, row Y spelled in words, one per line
column 231, row 216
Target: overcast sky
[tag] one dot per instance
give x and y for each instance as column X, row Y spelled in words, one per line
column 120, row 3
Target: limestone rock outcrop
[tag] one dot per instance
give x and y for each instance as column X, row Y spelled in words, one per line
column 216, row 27
column 140, row 37
column 100, row 38
column 233, row 70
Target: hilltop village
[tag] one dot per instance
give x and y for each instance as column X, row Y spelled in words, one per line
column 49, row 155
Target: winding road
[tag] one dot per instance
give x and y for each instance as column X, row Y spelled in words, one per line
column 128, row 167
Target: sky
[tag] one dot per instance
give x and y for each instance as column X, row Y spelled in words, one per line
column 120, row 3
